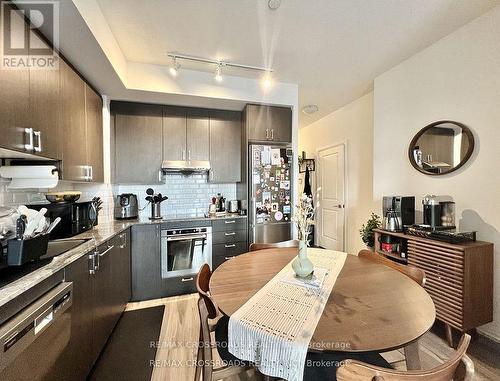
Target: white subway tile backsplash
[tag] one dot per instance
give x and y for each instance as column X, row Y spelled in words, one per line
column 187, row 195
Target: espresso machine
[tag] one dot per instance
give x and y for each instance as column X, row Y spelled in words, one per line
column 439, row 212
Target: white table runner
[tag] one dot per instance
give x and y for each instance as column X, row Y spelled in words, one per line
column 273, row 329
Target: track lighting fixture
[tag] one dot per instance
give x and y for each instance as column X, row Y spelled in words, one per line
column 174, row 69
column 218, row 72
column 266, row 81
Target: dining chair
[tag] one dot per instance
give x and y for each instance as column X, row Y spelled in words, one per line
column 262, row 246
column 459, row 367
column 414, row 273
column 213, row 321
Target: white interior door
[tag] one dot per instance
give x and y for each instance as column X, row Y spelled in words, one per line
column 331, row 210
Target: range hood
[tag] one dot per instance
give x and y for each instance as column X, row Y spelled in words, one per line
column 185, row 166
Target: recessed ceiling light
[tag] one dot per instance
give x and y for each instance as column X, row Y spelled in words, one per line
column 274, row 4
column 310, row 109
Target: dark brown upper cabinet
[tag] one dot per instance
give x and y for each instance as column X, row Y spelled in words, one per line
column 44, row 110
column 80, row 120
column 269, row 123
column 72, row 122
column 185, row 134
column 14, row 102
column 225, row 147
column 138, row 143
column 174, row 133
column 93, row 120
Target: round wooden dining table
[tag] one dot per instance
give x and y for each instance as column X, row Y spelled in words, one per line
column 372, row 307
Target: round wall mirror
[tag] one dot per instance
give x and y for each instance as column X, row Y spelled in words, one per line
column 441, row 147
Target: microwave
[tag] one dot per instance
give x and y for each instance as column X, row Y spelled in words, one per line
column 76, row 217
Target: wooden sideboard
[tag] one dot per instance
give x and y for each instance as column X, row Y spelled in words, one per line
column 459, row 277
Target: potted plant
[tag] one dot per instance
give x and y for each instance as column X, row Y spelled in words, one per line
column 366, row 231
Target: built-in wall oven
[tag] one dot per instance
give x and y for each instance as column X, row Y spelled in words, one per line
column 184, row 251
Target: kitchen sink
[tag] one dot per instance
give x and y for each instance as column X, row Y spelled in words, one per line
column 61, row 246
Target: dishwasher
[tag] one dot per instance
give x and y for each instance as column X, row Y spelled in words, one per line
column 32, row 340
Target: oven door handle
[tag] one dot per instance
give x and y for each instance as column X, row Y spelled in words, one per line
column 186, row 237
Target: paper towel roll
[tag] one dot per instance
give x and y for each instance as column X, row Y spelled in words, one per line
column 30, row 176
column 28, row 172
column 32, row 183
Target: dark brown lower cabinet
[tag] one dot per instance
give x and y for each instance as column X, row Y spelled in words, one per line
column 98, row 301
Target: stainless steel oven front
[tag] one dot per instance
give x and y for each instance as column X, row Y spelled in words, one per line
column 184, row 251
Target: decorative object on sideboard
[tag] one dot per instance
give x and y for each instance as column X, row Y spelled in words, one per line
column 30, row 176
column 441, row 147
column 366, row 231
column 303, row 217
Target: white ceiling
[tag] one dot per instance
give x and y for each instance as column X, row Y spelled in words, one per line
column 333, row 49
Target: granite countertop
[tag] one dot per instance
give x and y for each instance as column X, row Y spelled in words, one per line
column 98, row 235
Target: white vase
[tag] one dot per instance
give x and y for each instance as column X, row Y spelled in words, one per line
column 301, row 265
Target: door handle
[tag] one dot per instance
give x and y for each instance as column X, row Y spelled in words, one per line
column 29, row 146
column 340, row 206
column 228, row 258
column 187, row 279
column 232, row 233
column 38, row 135
column 229, row 246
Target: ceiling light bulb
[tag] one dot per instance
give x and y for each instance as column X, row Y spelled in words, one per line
column 174, row 69
column 267, row 81
column 218, row 74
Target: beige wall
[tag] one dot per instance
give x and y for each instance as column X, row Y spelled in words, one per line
column 457, row 78
column 352, row 124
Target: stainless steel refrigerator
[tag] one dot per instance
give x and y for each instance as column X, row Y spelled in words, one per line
column 270, row 193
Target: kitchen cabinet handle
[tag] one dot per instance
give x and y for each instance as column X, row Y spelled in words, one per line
column 232, row 233
column 38, row 135
column 228, row 258
column 230, row 222
column 189, row 154
column 211, row 174
column 29, row 146
column 267, row 133
column 229, row 246
column 159, row 175
column 272, row 134
column 92, row 264
column 186, row 279
column 91, row 173
column 106, row 251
